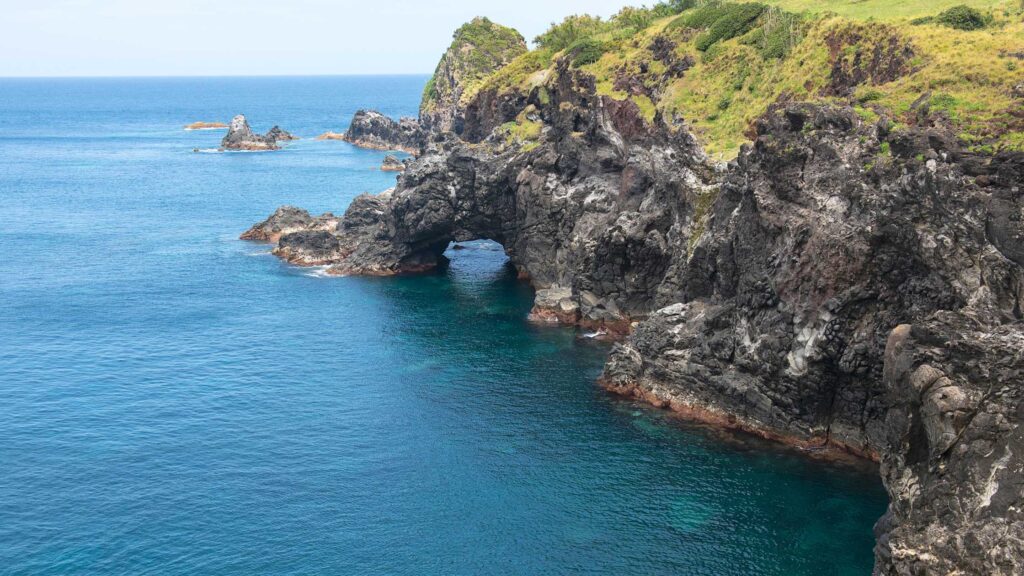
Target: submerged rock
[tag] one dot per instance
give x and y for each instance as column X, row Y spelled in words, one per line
column 392, row 164
column 206, row 126
column 331, row 136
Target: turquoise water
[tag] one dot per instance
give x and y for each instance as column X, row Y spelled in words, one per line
column 175, row 401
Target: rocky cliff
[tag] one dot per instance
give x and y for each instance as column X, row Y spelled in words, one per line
column 371, row 129
column 847, row 282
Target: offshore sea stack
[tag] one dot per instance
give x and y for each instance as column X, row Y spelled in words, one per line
column 371, row 129
column 241, row 137
column 844, row 284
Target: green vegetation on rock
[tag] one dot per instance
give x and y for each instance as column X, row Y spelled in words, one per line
column 478, row 49
column 962, row 18
column 716, row 66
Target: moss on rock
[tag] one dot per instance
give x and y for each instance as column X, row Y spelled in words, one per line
column 478, row 49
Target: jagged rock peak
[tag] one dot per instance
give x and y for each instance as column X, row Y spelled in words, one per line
column 392, row 164
column 241, row 137
column 371, row 129
column 478, row 48
column 279, row 135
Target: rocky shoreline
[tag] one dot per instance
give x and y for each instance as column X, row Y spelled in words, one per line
column 842, row 285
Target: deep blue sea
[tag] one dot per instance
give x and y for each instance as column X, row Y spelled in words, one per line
column 176, row 401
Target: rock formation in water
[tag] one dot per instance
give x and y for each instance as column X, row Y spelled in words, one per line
column 391, row 163
column 371, row 129
column 241, row 137
column 278, row 135
column 843, row 284
column 331, row 136
column 206, row 126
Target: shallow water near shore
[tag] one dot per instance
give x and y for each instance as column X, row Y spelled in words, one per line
column 176, row 401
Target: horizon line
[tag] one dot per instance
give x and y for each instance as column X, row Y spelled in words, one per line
column 128, row 76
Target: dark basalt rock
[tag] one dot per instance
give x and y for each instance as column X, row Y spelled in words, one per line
column 241, row 137
column 278, row 135
column 392, row 164
column 601, row 215
column 371, row 129
column 759, row 295
column 287, row 219
column 952, row 461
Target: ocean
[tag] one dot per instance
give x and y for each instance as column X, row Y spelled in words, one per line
column 176, row 401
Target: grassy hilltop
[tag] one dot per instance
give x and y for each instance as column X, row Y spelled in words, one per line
column 717, row 65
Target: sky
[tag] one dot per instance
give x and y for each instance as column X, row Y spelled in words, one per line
column 252, row 37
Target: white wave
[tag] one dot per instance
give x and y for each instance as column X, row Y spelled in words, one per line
column 597, row 334
column 317, row 272
column 207, row 150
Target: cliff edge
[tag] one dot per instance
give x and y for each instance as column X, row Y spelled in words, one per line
column 808, row 227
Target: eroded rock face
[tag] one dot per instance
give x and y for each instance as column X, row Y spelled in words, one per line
column 391, row 163
column 278, row 135
column 952, row 460
column 761, row 295
column 809, row 261
column 286, row 220
column 241, row 137
column 601, row 208
column 371, row 129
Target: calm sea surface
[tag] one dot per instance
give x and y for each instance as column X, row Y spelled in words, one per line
column 175, row 401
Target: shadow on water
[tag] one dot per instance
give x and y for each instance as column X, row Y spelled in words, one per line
column 704, row 493
column 172, row 405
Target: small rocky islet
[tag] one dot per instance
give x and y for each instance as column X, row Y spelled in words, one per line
column 852, row 279
column 241, row 137
column 206, row 126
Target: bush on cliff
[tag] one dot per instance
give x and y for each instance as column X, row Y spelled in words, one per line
column 720, row 64
column 963, row 18
column 730, row 21
column 586, row 51
column 574, row 28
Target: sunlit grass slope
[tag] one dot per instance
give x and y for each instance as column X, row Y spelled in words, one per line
column 727, row 62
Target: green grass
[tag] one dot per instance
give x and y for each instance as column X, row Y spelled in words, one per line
column 743, row 63
column 883, row 9
column 478, row 48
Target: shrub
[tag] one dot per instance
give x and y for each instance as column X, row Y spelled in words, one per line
column 777, row 35
column 573, row 28
column 586, row 51
column 726, row 20
column 870, row 95
column 635, row 18
column 677, row 6
column 962, row 18
column 430, row 90
column 733, row 20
